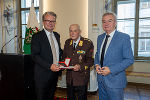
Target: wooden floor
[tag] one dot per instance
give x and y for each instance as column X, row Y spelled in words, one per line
column 133, row 91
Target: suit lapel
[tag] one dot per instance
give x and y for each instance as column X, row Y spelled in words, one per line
column 46, row 41
column 45, row 38
column 101, row 39
column 111, row 45
column 99, row 43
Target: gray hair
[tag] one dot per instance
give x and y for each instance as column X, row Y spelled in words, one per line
column 110, row 13
column 76, row 25
column 49, row 13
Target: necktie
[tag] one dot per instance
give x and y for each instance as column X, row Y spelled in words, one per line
column 74, row 46
column 53, row 50
column 103, row 50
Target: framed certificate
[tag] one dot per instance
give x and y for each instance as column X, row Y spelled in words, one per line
column 65, row 64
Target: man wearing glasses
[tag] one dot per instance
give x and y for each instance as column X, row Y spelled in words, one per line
column 46, row 51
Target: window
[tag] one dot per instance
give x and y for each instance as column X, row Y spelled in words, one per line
column 133, row 18
column 25, row 8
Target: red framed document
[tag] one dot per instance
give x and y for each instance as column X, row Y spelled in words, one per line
column 65, row 64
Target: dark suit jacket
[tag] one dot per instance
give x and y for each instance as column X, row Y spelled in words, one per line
column 85, row 50
column 42, row 55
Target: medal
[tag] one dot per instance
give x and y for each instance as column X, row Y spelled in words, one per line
column 80, row 59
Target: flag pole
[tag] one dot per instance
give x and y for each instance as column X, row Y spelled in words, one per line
column 32, row 1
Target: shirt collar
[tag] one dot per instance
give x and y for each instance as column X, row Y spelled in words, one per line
column 112, row 33
column 47, row 32
column 77, row 40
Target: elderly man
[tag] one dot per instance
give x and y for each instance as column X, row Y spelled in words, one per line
column 80, row 51
column 113, row 56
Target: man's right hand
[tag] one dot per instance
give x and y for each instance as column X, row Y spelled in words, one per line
column 54, row 68
column 98, row 69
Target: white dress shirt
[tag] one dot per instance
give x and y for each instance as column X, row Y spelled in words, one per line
column 76, row 42
column 55, row 42
column 108, row 42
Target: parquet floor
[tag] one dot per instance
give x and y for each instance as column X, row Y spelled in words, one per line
column 133, row 91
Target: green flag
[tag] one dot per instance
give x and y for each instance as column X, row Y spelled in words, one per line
column 27, row 41
column 32, row 28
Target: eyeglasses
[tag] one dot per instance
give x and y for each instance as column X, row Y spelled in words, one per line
column 49, row 21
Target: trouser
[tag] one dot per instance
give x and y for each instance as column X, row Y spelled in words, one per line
column 45, row 90
column 76, row 92
column 106, row 93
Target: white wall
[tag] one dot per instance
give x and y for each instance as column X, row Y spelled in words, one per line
column 68, row 12
column 95, row 12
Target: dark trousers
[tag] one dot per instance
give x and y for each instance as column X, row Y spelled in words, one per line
column 45, row 90
column 76, row 92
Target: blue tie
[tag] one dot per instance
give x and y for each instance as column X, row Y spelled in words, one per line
column 103, row 50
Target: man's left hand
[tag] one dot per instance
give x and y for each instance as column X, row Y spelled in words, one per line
column 105, row 70
column 76, row 67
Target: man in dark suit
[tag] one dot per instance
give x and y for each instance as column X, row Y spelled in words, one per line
column 113, row 56
column 80, row 51
column 46, row 51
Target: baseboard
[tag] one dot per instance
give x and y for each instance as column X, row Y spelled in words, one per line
column 138, row 74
